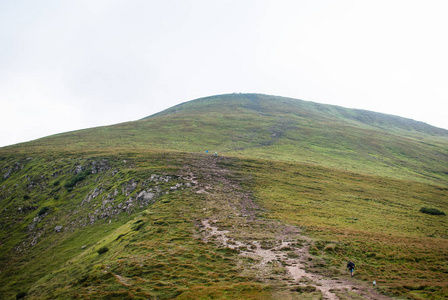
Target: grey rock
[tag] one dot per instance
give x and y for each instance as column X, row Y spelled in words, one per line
column 8, row 173
column 78, row 169
column 100, row 166
column 145, row 196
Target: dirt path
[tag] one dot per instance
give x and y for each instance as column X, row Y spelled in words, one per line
column 274, row 253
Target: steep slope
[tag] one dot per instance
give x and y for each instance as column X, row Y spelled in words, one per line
column 261, row 126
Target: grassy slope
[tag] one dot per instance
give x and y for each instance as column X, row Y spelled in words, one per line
column 152, row 249
column 373, row 219
column 260, row 126
column 370, row 219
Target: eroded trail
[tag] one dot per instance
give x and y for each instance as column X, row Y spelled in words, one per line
column 271, row 252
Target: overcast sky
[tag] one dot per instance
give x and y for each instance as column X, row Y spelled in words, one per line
column 67, row 65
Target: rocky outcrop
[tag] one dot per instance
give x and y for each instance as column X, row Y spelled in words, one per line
column 14, row 167
column 136, row 194
column 100, row 195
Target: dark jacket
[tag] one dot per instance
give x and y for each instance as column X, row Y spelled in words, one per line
column 350, row 265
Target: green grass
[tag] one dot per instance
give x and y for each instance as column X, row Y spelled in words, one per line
column 354, row 181
column 276, row 128
column 375, row 221
column 152, row 251
column 372, row 220
column 156, row 261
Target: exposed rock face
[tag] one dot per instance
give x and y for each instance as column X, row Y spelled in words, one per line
column 100, row 166
column 129, row 187
column 92, row 195
column 107, row 194
column 92, row 167
column 14, row 168
column 115, row 196
column 138, row 195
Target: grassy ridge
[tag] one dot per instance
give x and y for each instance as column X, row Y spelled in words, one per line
column 260, row 126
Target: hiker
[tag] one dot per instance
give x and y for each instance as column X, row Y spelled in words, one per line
column 351, row 267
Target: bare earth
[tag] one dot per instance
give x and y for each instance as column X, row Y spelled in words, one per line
column 273, row 253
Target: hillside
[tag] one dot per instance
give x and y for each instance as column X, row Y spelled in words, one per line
column 261, row 126
column 139, row 210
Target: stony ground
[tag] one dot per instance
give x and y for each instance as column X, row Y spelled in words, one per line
column 274, row 253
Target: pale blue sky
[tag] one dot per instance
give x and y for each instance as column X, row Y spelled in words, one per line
column 67, row 65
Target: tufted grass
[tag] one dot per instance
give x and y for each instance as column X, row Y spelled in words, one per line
column 353, row 180
column 372, row 220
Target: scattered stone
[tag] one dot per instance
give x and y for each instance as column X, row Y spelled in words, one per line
column 8, row 173
column 100, row 166
column 78, row 169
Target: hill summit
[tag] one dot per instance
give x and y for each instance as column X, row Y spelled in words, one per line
column 271, row 127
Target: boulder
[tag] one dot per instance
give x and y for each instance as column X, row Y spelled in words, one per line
column 145, row 196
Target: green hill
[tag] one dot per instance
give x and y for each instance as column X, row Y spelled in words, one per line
column 261, row 126
column 296, row 189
